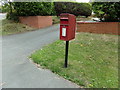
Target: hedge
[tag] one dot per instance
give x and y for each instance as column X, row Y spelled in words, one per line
column 78, row 9
column 34, row 8
column 48, row 9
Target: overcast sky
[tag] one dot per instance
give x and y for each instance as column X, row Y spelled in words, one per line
column 82, row 0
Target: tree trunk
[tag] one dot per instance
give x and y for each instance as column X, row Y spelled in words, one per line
column 10, row 3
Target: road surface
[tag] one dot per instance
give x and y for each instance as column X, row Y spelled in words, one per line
column 2, row 16
column 18, row 71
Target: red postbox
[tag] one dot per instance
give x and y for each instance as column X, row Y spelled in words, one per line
column 67, row 26
column 67, row 31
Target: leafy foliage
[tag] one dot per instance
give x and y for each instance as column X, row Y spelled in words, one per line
column 107, row 11
column 0, row 9
column 5, row 7
column 34, row 8
column 47, row 9
column 78, row 9
column 12, row 16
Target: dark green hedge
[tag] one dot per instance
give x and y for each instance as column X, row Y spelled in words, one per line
column 107, row 11
column 78, row 9
column 34, row 8
column 49, row 9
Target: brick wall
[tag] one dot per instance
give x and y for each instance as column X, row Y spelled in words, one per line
column 36, row 21
column 99, row 27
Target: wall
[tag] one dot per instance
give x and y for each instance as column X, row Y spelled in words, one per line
column 99, row 27
column 36, row 21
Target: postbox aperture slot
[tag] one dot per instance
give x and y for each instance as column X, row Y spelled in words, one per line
column 64, row 19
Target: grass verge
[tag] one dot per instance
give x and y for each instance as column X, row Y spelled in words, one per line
column 93, row 60
column 11, row 27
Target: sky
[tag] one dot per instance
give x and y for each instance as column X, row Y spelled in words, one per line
column 82, row 0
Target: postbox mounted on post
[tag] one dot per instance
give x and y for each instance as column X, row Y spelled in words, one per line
column 67, row 26
column 67, row 30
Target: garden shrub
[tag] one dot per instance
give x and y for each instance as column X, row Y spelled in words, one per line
column 34, row 8
column 5, row 8
column 12, row 16
column 0, row 9
column 107, row 11
column 78, row 9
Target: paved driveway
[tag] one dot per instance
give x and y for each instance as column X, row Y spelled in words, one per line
column 18, row 71
column 2, row 16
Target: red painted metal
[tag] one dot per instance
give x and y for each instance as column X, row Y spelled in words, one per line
column 68, row 22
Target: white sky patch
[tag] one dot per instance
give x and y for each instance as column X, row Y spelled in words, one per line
column 82, row 0
column 0, row 3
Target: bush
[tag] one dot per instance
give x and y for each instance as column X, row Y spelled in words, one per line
column 5, row 8
column 34, row 8
column 0, row 9
column 78, row 9
column 107, row 11
column 12, row 16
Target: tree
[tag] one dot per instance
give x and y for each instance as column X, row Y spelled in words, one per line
column 107, row 11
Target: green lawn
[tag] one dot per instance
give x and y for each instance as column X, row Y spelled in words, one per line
column 93, row 60
column 11, row 27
